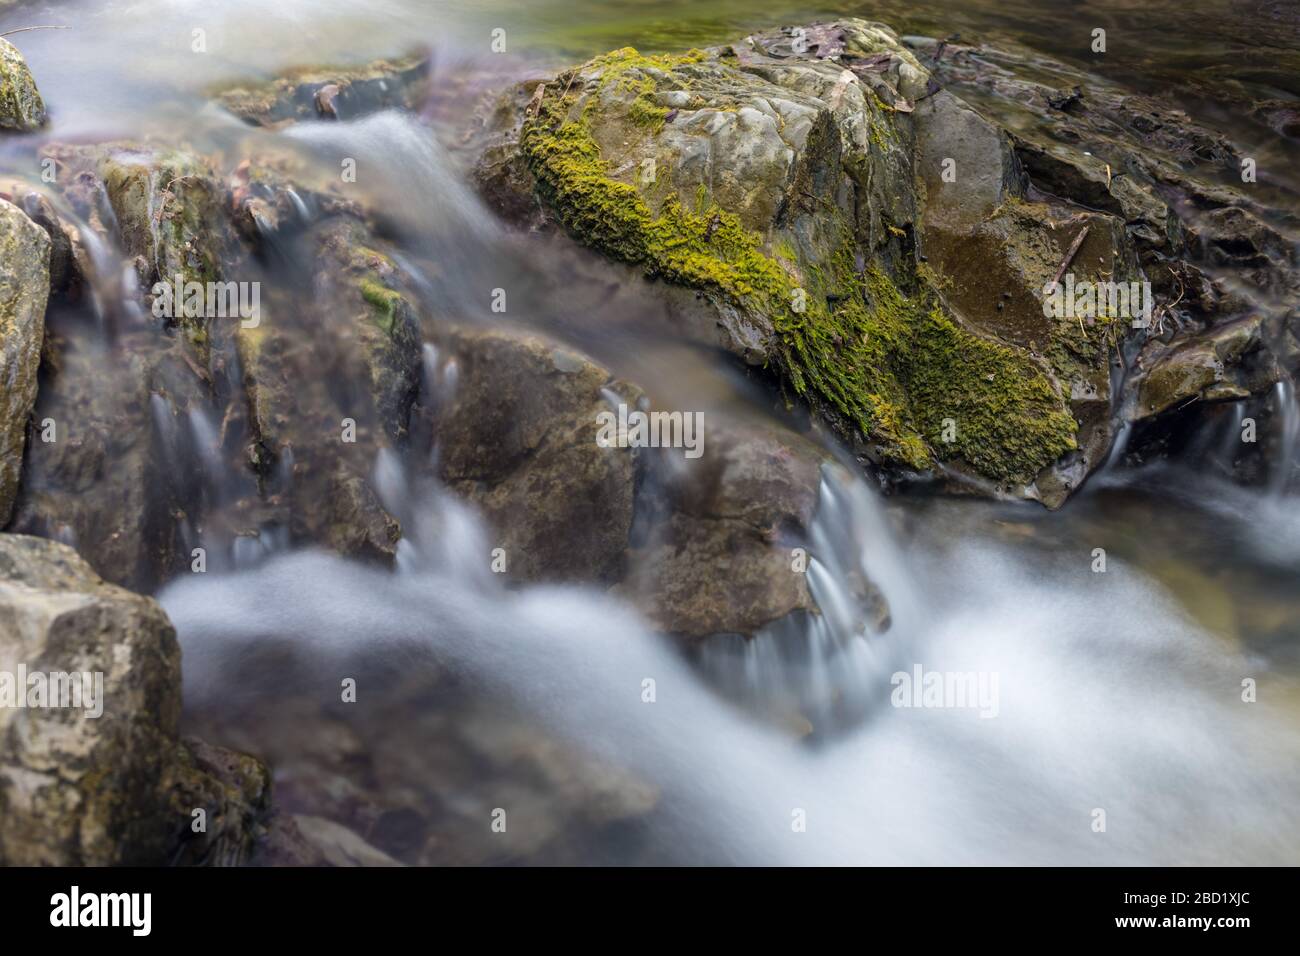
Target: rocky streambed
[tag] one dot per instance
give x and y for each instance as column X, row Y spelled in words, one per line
column 862, row 227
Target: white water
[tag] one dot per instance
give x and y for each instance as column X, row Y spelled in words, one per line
column 1108, row 698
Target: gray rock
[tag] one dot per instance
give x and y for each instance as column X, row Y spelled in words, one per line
column 24, row 289
column 721, row 562
column 519, row 440
column 701, row 545
column 119, row 788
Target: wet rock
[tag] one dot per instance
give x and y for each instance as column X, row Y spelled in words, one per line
column 326, row 394
column 722, row 561
column 1232, row 362
column 232, row 789
column 997, row 252
column 105, row 476
column 1282, row 116
column 702, row 545
column 358, row 525
column 24, row 288
column 519, row 440
column 118, row 788
column 272, row 199
column 364, row 290
column 799, row 193
column 67, row 259
column 501, row 173
column 230, row 432
column 21, row 106
column 1134, row 157
column 332, row 93
column 165, row 208
column 943, row 192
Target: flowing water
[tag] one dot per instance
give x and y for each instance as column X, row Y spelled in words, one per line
column 1116, row 690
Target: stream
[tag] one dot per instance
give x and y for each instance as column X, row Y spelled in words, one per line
column 1110, row 695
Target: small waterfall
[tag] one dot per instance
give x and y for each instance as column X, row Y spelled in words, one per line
column 164, row 420
column 439, row 531
column 1230, row 441
column 1118, row 448
column 439, row 376
column 828, row 668
column 300, row 207
column 1288, row 413
column 207, row 444
column 1080, row 719
column 250, row 550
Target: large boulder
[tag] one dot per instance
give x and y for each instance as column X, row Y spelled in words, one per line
column 782, row 183
column 21, row 106
column 843, row 211
column 107, row 782
column 24, row 288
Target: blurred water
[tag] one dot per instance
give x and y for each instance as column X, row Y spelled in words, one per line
column 1136, row 713
column 1117, row 691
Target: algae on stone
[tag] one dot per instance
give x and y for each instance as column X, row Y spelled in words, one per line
column 854, row 328
column 21, row 106
column 24, row 289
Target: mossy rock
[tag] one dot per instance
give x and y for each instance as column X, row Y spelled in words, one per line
column 21, row 106
column 782, row 186
column 24, row 289
column 166, row 208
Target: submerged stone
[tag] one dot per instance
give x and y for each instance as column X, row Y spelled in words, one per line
column 330, row 93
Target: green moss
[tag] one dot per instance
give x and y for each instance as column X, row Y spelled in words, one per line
column 881, row 132
column 631, row 72
column 21, row 106
column 384, row 303
column 1009, row 420
column 888, row 364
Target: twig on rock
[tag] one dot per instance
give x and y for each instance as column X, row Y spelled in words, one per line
column 1069, row 256
column 9, row 33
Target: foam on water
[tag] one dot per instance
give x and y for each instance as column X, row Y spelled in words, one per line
column 1135, row 713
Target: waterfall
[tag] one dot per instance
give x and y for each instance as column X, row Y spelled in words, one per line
column 1082, row 723
column 1284, row 461
column 827, row 668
